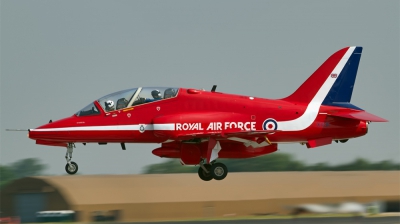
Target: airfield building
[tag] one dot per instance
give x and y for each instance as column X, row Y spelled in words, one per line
column 183, row 196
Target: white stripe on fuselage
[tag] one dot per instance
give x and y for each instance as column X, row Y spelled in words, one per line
column 164, row 127
column 297, row 124
column 134, row 127
column 309, row 116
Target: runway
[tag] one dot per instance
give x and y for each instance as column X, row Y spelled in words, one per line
column 330, row 220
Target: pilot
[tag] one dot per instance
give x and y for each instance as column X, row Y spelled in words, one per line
column 122, row 103
column 109, row 105
column 169, row 93
column 156, row 95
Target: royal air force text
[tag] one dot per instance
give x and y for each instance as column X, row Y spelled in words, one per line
column 216, row 126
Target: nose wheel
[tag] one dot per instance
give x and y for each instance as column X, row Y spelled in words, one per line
column 71, row 167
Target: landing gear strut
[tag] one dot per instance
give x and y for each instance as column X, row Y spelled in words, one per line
column 71, row 167
column 217, row 171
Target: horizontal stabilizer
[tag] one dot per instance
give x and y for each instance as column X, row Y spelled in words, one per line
column 359, row 115
column 312, row 143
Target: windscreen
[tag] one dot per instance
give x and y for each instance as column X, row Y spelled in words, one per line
column 90, row 109
column 117, row 100
column 152, row 94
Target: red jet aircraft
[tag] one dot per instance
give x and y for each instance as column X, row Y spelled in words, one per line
column 200, row 126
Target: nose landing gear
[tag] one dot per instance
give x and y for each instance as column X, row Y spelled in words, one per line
column 70, row 167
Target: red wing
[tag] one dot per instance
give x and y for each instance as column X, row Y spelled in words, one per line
column 359, row 115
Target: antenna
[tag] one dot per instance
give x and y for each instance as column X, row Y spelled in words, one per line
column 214, row 88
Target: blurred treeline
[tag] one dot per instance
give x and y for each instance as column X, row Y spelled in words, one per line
column 273, row 162
column 21, row 168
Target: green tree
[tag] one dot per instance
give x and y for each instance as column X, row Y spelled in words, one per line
column 6, row 176
column 386, row 165
column 170, row 166
column 319, row 167
column 27, row 167
column 356, row 165
column 273, row 162
column 270, row 162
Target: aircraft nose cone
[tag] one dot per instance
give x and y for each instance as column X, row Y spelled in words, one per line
column 39, row 133
column 51, row 131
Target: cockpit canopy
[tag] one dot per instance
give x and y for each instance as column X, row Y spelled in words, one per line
column 127, row 98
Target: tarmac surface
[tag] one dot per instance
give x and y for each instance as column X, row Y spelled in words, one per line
column 329, row 220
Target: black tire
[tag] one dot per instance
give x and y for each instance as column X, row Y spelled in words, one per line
column 204, row 175
column 71, row 169
column 219, row 171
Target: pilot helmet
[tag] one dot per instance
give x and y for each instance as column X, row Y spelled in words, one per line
column 109, row 103
column 156, row 94
column 169, row 93
column 122, row 103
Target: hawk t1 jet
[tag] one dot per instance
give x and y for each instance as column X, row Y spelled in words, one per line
column 199, row 126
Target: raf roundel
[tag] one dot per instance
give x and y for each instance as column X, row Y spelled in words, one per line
column 270, row 124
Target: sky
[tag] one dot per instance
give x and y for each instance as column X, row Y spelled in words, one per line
column 58, row 56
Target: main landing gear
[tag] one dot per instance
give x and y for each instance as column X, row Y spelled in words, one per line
column 217, row 171
column 71, row 167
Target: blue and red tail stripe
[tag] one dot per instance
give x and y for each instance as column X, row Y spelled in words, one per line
column 342, row 90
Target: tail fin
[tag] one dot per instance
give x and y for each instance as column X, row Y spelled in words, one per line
column 332, row 83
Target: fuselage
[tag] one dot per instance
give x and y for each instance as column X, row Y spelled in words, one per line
column 195, row 113
column 198, row 126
